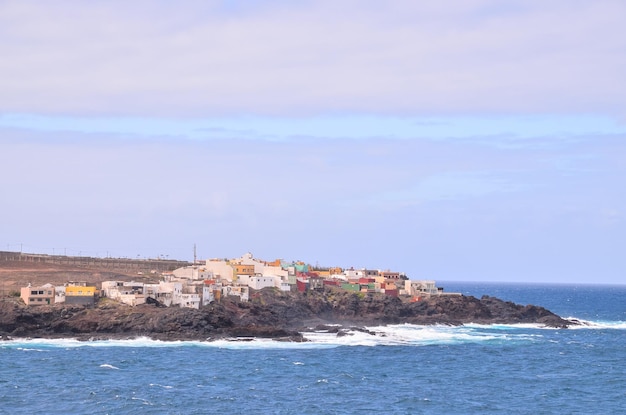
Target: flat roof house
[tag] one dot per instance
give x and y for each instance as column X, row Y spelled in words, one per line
column 38, row 295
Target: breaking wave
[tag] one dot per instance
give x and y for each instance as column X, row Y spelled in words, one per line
column 602, row 325
column 391, row 335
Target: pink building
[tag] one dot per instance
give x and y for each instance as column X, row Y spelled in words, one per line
column 38, row 295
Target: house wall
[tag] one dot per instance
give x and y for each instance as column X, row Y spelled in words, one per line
column 208, row 294
column 132, row 299
column 416, row 287
column 353, row 273
column 248, row 259
column 244, row 280
column 221, row 270
column 59, row 294
column 244, row 269
column 80, row 295
column 194, row 272
column 80, row 300
column 390, row 275
column 258, row 283
column 37, row 295
column 188, row 300
column 276, row 271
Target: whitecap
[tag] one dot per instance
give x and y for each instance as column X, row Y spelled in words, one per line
column 414, row 335
column 26, row 349
column 600, row 324
column 391, row 335
column 108, row 366
column 514, row 326
column 162, row 386
column 144, row 401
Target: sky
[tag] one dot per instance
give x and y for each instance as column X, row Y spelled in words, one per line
column 473, row 140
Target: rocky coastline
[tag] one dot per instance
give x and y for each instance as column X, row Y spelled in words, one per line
column 270, row 314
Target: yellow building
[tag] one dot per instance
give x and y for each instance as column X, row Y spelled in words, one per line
column 80, row 294
column 335, row 270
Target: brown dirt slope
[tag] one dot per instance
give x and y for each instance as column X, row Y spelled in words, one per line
column 16, row 274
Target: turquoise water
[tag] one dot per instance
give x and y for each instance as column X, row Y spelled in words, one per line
column 474, row 369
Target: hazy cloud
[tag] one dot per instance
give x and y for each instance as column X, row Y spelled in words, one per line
column 451, row 140
column 377, row 201
column 216, row 58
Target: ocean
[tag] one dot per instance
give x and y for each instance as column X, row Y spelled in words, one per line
column 403, row 369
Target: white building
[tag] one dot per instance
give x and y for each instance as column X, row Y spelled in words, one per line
column 261, row 268
column 162, row 292
column 59, row 294
column 248, row 259
column 193, row 272
column 221, row 270
column 259, row 282
column 211, row 292
column 188, row 300
column 354, row 273
column 420, row 287
column 131, row 293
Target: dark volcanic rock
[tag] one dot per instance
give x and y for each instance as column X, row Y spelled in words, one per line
column 269, row 314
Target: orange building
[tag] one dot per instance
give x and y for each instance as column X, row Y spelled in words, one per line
column 244, row 269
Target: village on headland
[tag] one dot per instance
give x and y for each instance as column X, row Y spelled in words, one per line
column 202, row 283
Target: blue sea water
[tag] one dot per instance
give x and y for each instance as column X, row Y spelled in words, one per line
column 404, row 369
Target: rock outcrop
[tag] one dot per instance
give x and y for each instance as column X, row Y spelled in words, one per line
column 270, row 314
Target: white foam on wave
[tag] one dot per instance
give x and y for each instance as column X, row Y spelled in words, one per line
column 238, row 344
column 595, row 325
column 413, row 335
column 45, row 344
column 108, row 366
column 26, row 349
column 145, row 342
column 515, row 326
column 161, row 386
column 392, row 335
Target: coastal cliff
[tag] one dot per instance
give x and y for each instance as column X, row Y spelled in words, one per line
column 270, row 314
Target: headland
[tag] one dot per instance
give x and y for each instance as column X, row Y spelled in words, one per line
column 269, row 313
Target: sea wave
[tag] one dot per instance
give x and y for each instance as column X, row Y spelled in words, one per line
column 414, row 335
column 391, row 335
column 600, row 324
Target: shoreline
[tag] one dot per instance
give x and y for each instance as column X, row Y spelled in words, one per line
column 336, row 330
column 272, row 315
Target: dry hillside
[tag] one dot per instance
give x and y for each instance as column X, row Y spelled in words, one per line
column 16, row 274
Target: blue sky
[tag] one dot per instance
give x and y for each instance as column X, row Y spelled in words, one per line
column 456, row 141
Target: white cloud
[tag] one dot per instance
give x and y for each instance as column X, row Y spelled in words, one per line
column 199, row 59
